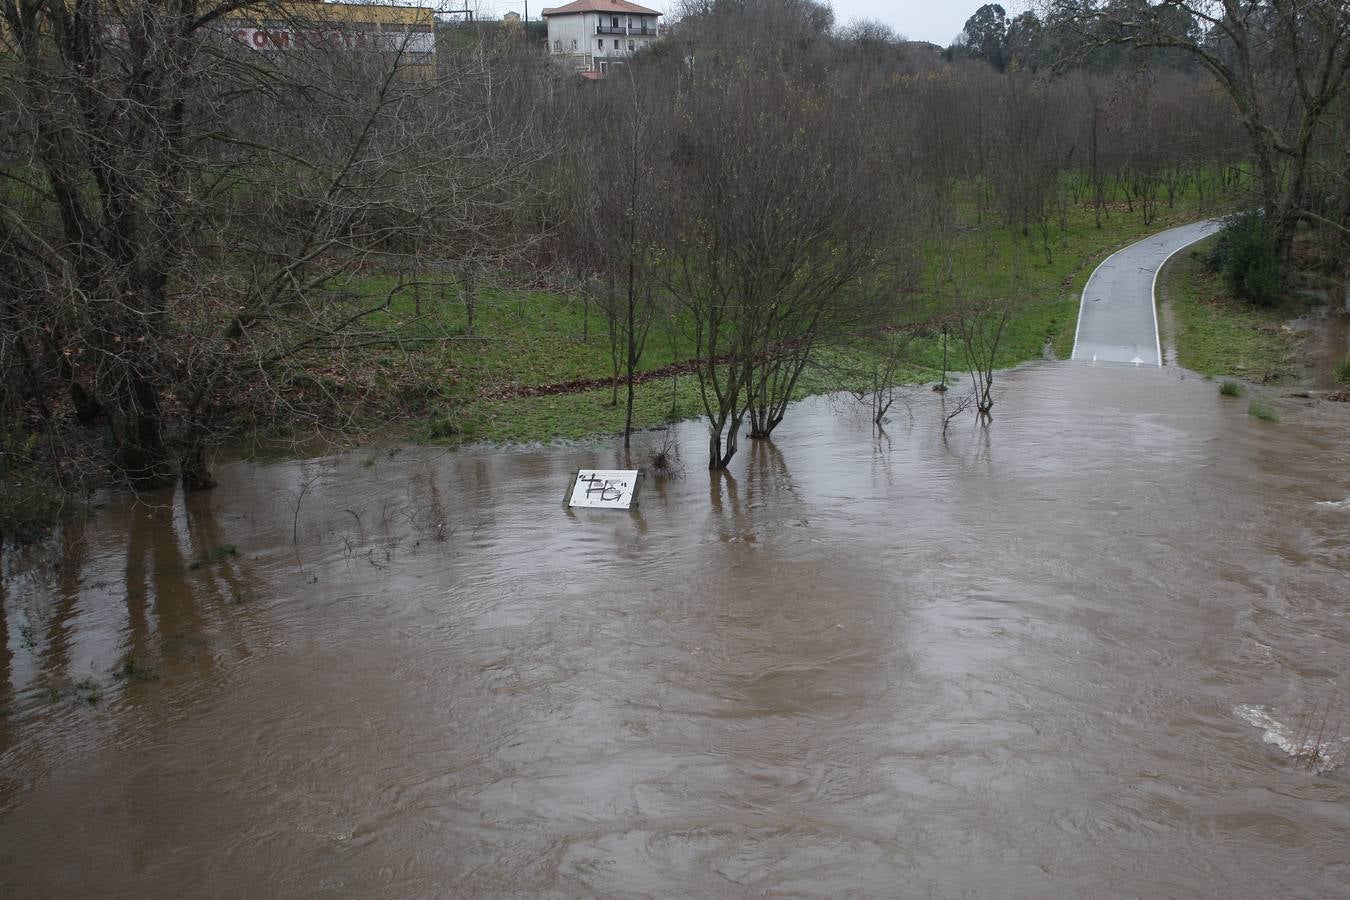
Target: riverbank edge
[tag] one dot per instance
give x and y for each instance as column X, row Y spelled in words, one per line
column 573, row 416
column 1211, row 333
column 545, row 416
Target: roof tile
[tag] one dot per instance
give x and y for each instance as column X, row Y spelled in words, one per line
column 585, row 6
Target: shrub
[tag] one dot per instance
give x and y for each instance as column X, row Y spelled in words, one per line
column 217, row 554
column 30, row 501
column 1260, row 409
column 1342, row 371
column 1246, row 258
column 1230, row 389
column 133, row 669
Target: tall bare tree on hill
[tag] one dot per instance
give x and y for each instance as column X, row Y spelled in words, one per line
column 1283, row 63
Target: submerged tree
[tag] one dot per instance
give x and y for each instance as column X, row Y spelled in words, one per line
column 980, row 326
column 784, row 224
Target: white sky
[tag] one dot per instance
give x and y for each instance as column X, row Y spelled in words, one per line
column 938, row 21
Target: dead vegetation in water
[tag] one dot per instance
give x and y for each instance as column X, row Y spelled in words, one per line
column 1318, row 744
column 663, row 461
column 132, row 668
column 86, row 691
column 215, row 555
column 1262, row 410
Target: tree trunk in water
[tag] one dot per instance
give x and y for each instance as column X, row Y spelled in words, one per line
column 140, row 451
column 720, row 454
column 764, row 419
column 193, row 469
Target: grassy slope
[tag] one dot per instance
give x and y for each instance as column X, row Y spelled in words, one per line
column 1218, row 335
column 535, row 337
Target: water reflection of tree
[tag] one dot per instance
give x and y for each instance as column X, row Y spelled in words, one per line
column 770, row 493
column 69, row 568
column 171, row 577
column 768, row 472
column 157, row 573
column 982, row 459
column 227, row 580
column 722, row 483
column 6, row 667
column 429, row 516
column 484, row 498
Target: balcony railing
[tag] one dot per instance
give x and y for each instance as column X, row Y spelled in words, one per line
column 649, row 30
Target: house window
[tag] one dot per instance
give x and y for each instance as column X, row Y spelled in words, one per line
column 614, row 21
column 557, row 46
column 601, row 42
column 616, row 42
column 631, row 45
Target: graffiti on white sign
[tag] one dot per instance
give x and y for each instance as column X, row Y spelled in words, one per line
column 605, row 488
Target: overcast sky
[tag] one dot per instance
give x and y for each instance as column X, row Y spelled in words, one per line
column 938, row 21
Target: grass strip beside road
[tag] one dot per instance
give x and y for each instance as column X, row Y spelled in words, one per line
column 1219, row 335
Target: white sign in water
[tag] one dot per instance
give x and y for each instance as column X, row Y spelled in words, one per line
column 605, row 488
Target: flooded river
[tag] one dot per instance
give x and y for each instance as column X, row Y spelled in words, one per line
column 1070, row 655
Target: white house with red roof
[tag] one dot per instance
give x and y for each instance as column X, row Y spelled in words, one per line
column 593, row 35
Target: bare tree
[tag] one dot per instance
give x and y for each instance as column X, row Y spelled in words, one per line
column 181, row 213
column 775, row 245
column 872, row 375
column 1030, row 150
column 626, row 146
column 980, row 326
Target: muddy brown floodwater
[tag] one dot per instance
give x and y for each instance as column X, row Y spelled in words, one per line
column 1067, row 656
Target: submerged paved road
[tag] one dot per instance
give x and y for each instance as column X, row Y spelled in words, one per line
column 1117, row 321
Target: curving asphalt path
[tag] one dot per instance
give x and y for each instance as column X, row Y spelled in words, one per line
column 1118, row 317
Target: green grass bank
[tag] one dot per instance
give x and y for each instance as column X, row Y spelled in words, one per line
column 1218, row 335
